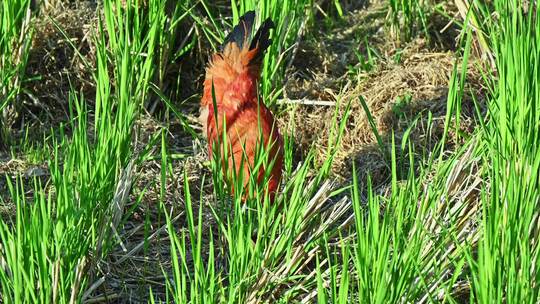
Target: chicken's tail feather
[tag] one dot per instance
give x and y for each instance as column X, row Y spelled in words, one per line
column 241, row 32
column 262, row 40
column 241, row 35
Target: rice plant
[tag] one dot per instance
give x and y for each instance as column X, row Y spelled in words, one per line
column 503, row 269
column 256, row 249
column 15, row 41
column 404, row 246
column 408, row 18
column 58, row 236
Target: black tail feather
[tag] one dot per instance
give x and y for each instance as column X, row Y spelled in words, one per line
column 262, row 37
column 243, row 31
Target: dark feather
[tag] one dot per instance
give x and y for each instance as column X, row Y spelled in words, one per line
column 242, row 31
column 262, row 38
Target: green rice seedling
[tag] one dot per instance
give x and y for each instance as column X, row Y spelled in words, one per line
column 35, row 153
column 333, row 275
column 256, row 249
column 404, row 247
column 290, row 18
column 407, row 18
column 339, row 10
column 214, row 32
column 250, row 240
column 504, row 264
column 408, row 245
column 366, row 62
column 455, row 92
column 46, row 250
column 15, row 40
column 172, row 44
column 401, row 251
column 56, row 238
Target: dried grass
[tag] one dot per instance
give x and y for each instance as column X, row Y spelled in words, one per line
column 420, row 81
column 54, row 60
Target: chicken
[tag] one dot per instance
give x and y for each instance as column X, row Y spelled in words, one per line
column 231, row 84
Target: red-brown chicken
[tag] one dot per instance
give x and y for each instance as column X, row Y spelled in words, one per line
column 232, row 78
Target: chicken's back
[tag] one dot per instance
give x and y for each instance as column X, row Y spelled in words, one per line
column 238, row 60
column 231, row 85
column 249, row 130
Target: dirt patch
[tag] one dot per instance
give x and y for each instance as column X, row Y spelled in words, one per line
column 403, row 87
column 330, row 51
column 62, row 57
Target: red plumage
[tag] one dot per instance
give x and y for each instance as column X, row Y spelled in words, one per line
column 233, row 75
